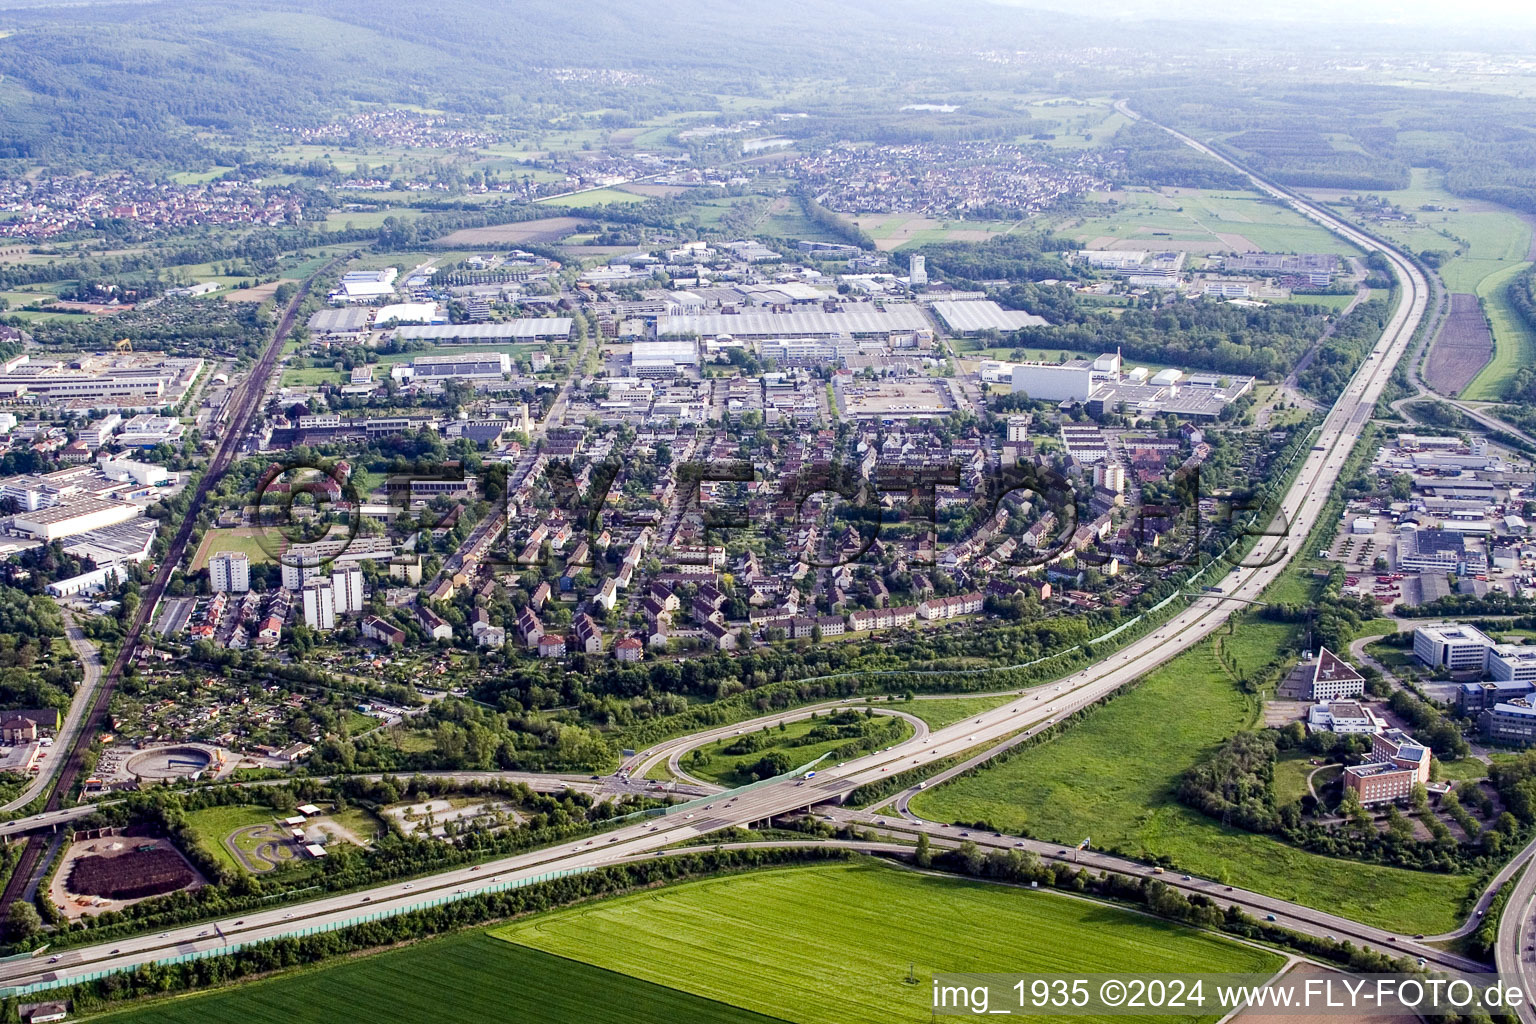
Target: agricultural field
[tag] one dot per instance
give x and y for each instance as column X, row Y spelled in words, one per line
column 546, row 229
column 1514, row 341
column 1488, row 244
column 593, row 197
column 1112, row 777
column 1462, row 348
column 468, row 977
column 842, row 938
column 238, row 538
column 898, row 230
column 1197, row 221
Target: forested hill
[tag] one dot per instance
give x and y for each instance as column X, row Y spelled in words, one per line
column 118, row 78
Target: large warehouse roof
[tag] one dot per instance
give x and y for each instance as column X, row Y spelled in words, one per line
column 512, row 330
column 966, row 317
column 857, row 318
column 339, row 321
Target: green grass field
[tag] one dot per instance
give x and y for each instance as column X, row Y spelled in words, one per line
column 238, row 538
column 213, row 824
column 1488, row 242
column 594, row 197
column 833, row 944
column 939, row 713
column 1514, row 343
column 1114, row 775
column 1213, row 220
column 728, row 769
column 469, row 977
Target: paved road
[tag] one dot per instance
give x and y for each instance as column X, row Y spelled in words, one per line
column 1517, row 931
column 1298, row 513
column 1290, row 915
column 90, row 663
column 672, row 751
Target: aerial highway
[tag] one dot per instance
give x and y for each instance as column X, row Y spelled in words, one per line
column 90, row 667
column 1298, row 512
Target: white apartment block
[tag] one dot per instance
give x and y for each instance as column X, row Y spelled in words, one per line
column 347, row 589
column 319, row 604
column 229, row 571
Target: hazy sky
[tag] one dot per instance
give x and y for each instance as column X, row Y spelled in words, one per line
column 1475, row 15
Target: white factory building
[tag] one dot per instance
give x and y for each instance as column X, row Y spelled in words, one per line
column 76, row 516
column 467, row 366
column 663, row 358
column 1073, row 380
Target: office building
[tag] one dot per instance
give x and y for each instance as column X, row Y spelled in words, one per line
column 1333, row 678
column 1452, row 646
column 1380, row 782
column 917, row 271
column 1512, row 722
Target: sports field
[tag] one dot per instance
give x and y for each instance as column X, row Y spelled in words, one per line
column 215, row 825
column 239, row 538
column 1114, row 775
column 470, row 978
column 834, row 944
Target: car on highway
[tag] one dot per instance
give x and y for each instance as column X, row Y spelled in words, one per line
column 1269, row 917
column 114, row 952
column 54, row 959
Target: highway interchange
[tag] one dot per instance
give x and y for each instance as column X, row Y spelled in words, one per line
column 977, row 738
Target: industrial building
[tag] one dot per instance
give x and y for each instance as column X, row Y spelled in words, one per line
column 547, row 328
column 72, row 517
column 1436, row 550
column 663, row 358
column 859, row 320
column 466, row 366
column 967, row 318
column 406, row 313
column 125, row 380
column 1073, row 380
column 347, row 324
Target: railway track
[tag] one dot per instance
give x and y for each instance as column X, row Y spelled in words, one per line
column 247, row 399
